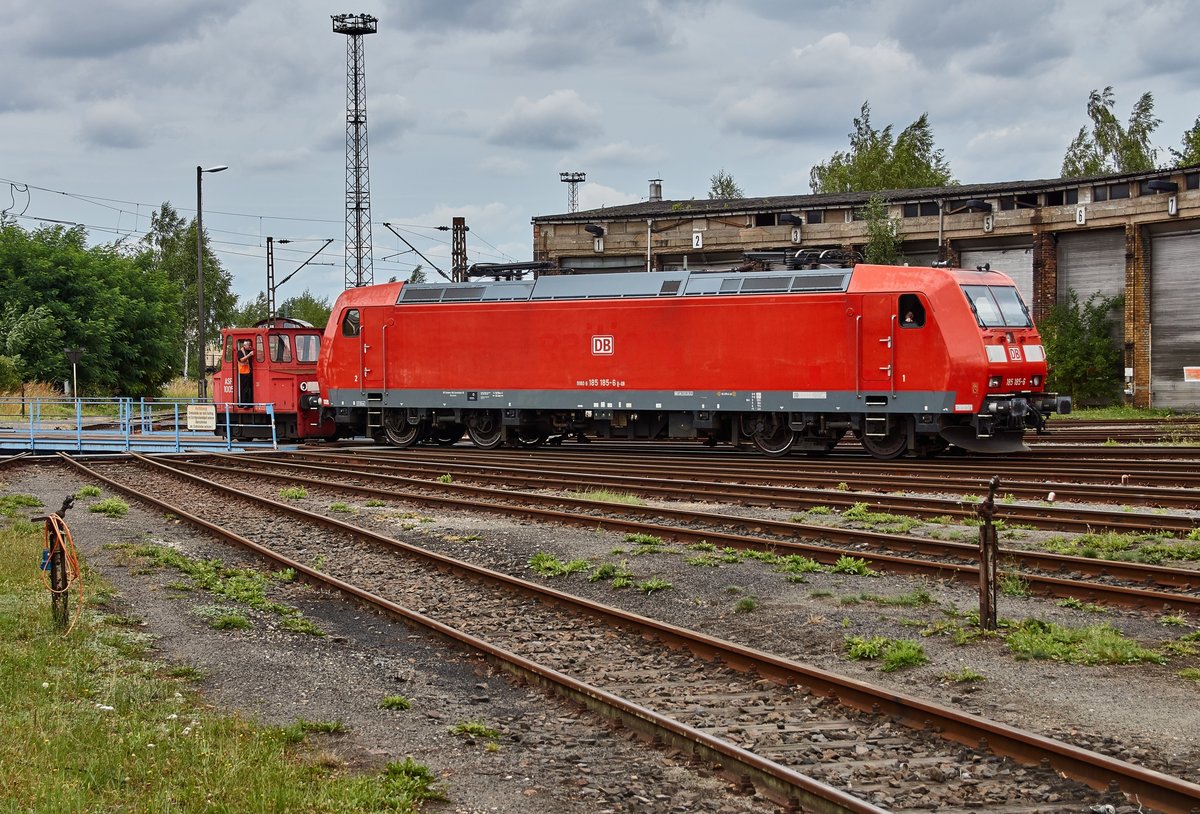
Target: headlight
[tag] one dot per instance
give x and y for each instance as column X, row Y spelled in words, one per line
column 993, row 382
column 1037, row 381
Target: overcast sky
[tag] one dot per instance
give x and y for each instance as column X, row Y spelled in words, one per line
column 474, row 107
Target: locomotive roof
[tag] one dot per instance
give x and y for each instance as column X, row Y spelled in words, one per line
column 620, row 285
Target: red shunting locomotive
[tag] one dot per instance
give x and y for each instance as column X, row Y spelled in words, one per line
column 909, row 360
column 268, row 374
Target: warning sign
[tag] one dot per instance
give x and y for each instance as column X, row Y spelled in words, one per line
column 1191, row 374
column 202, row 417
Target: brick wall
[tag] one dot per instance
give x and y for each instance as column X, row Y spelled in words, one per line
column 1045, row 274
column 1137, row 311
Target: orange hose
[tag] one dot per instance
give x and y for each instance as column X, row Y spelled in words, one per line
column 56, row 527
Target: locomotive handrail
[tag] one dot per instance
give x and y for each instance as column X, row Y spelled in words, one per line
column 892, row 363
column 858, row 356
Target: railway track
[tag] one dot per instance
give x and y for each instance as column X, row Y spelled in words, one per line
column 1046, row 574
column 495, row 472
column 805, row 737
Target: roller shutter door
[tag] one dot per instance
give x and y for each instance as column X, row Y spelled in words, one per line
column 1091, row 262
column 1174, row 326
column 1015, row 261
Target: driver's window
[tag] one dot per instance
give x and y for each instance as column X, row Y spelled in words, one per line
column 912, row 311
column 350, row 323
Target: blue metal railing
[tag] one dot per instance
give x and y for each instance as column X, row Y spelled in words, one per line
column 122, row 424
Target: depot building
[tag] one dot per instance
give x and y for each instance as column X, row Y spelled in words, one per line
column 1134, row 235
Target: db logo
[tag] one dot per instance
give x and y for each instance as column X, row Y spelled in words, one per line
column 602, row 346
column 1014, row 353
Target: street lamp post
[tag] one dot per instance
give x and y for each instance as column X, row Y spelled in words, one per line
column 202, row 385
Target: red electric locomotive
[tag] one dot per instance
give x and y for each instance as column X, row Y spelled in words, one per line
column 908, row 359
column 270, row 371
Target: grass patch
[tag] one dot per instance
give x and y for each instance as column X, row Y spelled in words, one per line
column 293, row 493
column 88, row 728
column 340, row 507
column 1144, row 548
column 374, row 503
column 643, row 539
column 396, row 702
column 1014, row 584
column 91, row 490
column 1079, row 604
column 242, row 585
column 475, row 730
column 861, row 513
column 895, row 654
column 447, row 478
column 746, row 604
column 1190, row 673
column 11, row 505
column 913, row 599
column 1094, row 644
column 654, row 584
column 110, row 507
column 852, row 565
column 609, row 570
column 608, row 496
column 550, row 566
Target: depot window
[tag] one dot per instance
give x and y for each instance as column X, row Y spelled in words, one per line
column 997, row 306
column 818, row 215
column 920, row 210
column 350, row 323
column 1192, row 180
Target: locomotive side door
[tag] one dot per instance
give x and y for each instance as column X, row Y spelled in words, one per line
column 877, row 342
column 371, row 349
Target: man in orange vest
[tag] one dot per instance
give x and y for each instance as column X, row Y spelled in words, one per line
column 245, row 380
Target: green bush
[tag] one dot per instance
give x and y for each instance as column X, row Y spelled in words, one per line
column 1083, row 358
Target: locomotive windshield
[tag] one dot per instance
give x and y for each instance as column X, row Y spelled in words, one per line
column 997, row 306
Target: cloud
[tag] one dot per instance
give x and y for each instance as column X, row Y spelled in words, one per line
column 503, row 165
column 803, row 94
column 558, row 121
column 595, row 196
column 114, row 124
column 622, row 153
column 101, row 30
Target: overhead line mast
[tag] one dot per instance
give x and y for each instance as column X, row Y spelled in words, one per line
column 359, row 271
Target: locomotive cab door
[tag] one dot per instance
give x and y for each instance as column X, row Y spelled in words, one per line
column 371, row 349
column 877, row 342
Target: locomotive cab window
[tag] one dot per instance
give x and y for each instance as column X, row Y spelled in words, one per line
column 997, row 306
column 228, row 349
column 912, row 312
column 281, row 347
column 350, row 323
column 308, row 348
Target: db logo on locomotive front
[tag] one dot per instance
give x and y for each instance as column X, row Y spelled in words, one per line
column 602, row 346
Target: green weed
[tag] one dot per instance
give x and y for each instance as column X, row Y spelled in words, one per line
column 964, row 676
column 550, row 566
column 110, row 507
column 853, row 565
column 91, row 490
column 474, row 730
column 608, row 496
column 1095, row 644
column 396, row 702
column 896, row 654
column 653, row 584
column 746, row 604
column 293, row 493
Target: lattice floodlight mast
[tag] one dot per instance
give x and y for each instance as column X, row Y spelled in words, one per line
column 573, row 180
column 359, row 271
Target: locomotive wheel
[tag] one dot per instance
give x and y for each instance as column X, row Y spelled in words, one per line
column 485, row 430
column 399, row 432
column 887, row 447
column 530, row 439
column 445, row 435
column 772, row 435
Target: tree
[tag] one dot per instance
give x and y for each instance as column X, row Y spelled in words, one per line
column 170, row 246
column 722, row 185
column 1190, row 147
column 878, row 161
column 1111, row 147
column 1083, row 358
column 313, row 310
column 56, row 292
column 885, row 241
column 246, row 314
column 418, row 274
